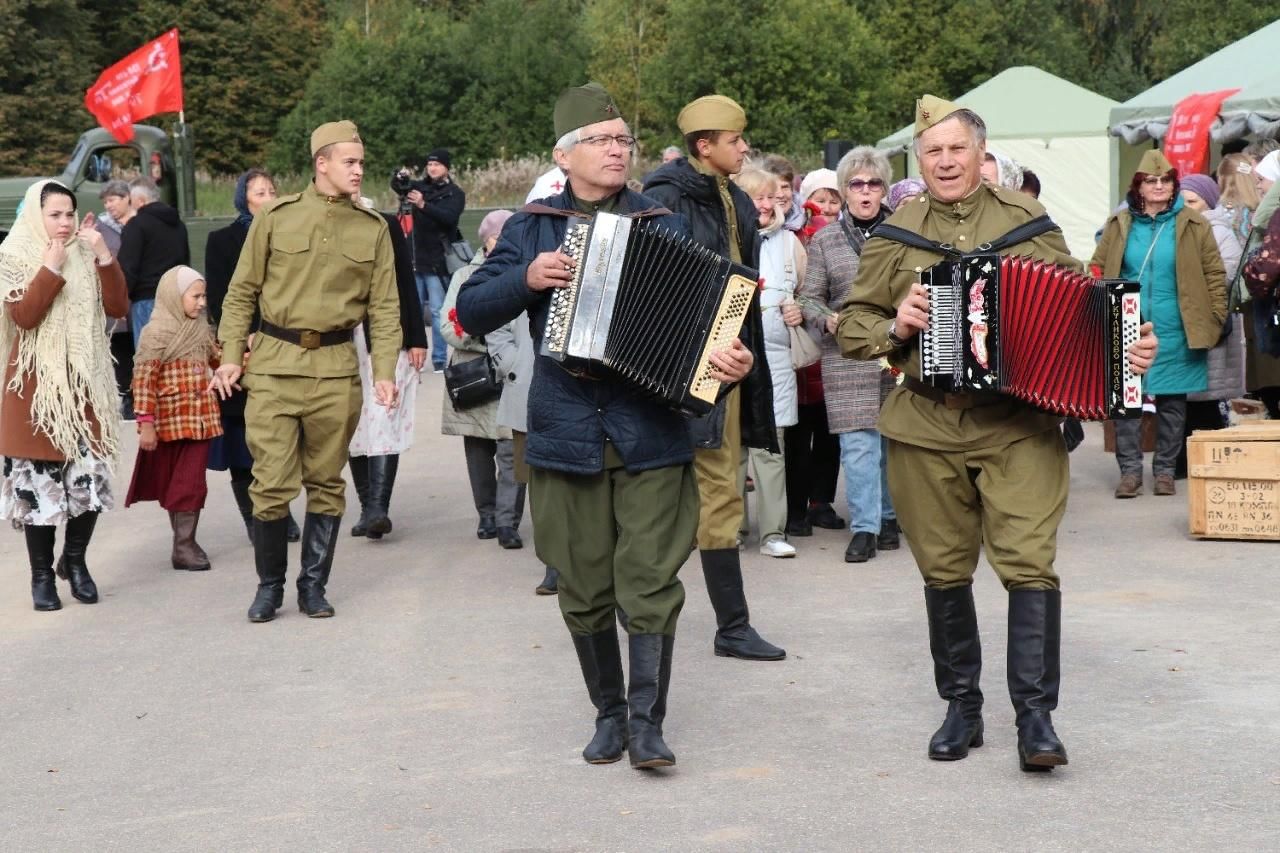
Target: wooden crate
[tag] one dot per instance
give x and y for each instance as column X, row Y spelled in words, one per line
column 1234, row 478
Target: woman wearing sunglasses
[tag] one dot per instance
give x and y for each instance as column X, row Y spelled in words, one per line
column 1157, row 240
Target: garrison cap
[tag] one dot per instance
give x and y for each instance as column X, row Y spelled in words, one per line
column 712, row 112
column 332, row 132
column 580, row 106
column 930, row 110
column 1154, row 163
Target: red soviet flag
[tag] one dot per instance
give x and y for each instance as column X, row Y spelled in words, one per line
column 146, row 82
column 1186, row 142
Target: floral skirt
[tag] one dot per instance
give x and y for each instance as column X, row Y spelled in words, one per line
column 381, row 433
column 40, row 492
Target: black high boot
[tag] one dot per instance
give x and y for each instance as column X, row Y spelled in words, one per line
column 319, row 539
column 244, row 503
column 71, row 565
column 957, row 665
column 44, row 589
column 292, row 533
column 1035, row 629
column 735, row 637
column 360, row 479
column 271, row 558
column 601, row 662
column 382, row 479
column 650, row 677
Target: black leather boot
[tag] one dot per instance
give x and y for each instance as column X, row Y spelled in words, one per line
column 862, row 547
column 360, row 479
column 550, row 583
column 650, row 656
column 382, row 479
column 601, row 662
column 292, row 533
column 244, row 503
column 957, row 665
column 890, row 538
column 735, row 637
column 319, row 539
column 271, row 558
column 72, row 565
column 44, row 589
column 1035, row 628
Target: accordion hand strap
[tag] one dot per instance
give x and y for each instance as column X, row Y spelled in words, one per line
column 545, row 209
column 1025, row 231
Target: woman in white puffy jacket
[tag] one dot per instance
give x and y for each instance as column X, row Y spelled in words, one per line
column 781, row 269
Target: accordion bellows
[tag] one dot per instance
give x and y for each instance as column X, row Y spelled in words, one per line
column 649, row 305
column 1050, row 336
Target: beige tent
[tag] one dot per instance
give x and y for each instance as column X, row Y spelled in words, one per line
column 1051, row 126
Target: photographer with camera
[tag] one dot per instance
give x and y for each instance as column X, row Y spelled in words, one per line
column 436, row 204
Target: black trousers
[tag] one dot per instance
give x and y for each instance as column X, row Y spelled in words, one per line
column 122, row 352
column 812, row 458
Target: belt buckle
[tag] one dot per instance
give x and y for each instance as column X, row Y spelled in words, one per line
column 309, row 339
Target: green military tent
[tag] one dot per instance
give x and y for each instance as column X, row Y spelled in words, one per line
column 1051, row 126
column 1249, row 64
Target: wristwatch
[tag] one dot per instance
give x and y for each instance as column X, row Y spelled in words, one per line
column 894, row 340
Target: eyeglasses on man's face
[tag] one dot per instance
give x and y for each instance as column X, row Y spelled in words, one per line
column 858, row 185
column 1157, row 180
column 602, row 140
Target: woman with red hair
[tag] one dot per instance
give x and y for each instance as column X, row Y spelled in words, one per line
column 1169, row 248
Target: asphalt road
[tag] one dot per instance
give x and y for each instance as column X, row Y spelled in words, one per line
column 443, row 708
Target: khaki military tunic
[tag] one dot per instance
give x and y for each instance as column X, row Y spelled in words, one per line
column 320, row 263
column 993, row 473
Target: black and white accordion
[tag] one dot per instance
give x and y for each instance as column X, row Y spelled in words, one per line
column 650, row 306
column 1052, row 337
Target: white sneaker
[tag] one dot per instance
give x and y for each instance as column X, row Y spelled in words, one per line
column 778, row 548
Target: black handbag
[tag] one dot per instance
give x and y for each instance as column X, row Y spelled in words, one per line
column 472, row 383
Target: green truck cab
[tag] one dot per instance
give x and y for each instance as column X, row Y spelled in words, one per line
column 99, row 157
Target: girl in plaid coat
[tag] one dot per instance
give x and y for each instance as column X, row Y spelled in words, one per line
column 177, row 414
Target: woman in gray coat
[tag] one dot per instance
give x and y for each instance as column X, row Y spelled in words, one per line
column 499, row 499
column 854, row 389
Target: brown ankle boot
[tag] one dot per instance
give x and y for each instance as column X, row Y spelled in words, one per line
column 188, row 556
column 1164, row 485
column 1130, row 486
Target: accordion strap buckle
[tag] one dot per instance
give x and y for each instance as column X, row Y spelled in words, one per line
column 985, row 247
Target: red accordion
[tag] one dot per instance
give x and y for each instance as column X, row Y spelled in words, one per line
column 1052, row 337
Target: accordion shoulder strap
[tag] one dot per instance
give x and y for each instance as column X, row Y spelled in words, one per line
column 548, row 210
column 1025, row 231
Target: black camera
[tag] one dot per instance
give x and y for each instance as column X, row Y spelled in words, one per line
column 403, row 182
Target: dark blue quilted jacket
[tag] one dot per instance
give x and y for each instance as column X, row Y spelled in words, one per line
column 569, row 418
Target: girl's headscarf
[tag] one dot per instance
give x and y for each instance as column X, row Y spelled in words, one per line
column 68, row 353
column 171, row 335
column 1008, row 172
column 241, row 199
column 903, row 190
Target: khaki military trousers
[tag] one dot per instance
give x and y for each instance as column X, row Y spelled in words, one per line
column 1008, row 499
column 618, row 539
column 298, row 429
column 719, row 484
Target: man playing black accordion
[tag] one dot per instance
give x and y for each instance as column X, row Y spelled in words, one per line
column 969, row 469
column 613, row 493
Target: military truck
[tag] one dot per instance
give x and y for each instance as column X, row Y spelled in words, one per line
column 99, row 157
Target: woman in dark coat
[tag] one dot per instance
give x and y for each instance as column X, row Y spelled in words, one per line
column 254, row 189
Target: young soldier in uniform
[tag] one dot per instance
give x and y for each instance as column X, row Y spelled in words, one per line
column 615, row 502
column 315, row 264
column 723, row 218
column 965, row 469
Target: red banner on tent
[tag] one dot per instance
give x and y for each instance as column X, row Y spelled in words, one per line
column 1186, row 142
column 146, row 82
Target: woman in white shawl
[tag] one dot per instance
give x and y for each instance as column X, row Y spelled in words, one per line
column 59, row 413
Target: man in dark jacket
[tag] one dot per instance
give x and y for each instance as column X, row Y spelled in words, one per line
column 151, row 243
column 723, row 218
column 614, row 496
column 436, row 211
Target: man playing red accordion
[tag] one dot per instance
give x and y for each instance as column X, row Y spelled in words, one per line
column 969, row 469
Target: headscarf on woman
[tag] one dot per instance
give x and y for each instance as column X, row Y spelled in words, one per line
column 68, row 352
column 1008, row 171
column 171, row 335
column 241, row 199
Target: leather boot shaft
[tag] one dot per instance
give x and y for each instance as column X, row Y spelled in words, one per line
column 382, row 480
column 957, row 669
column 360, row 479
column 244, row 503
column 40, row 546
column 650, row 656
column 1034, row 671
column 271, row 559
column 601, row 662
column 75, row 548
column 319, row 540
column 187, row 554
column 722, row 570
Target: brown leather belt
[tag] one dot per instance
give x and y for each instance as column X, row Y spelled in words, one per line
column 306, row 338
column 967, row 400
